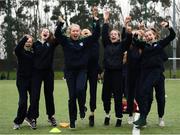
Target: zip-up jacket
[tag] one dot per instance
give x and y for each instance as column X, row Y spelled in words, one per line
column 25, row 59
column 152, row 54
column 113, row 52
column 75, row 53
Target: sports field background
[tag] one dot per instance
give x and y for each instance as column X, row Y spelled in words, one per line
column 9, row 102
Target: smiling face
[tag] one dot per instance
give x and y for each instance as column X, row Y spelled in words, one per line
column 29, row 43
column 45, row 34
column 150, row 36
column 114, row 36
column 86, row 33
column 75, row 31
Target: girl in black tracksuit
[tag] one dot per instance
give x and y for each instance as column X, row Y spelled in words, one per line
column 24, row 55
column 113, row 60
column 76, row 59
column 133, row 71
column 159, row 88
column 151, row 69
column 92, row 74
column 43, row 72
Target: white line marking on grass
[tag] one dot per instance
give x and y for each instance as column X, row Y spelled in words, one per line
column 135, row 131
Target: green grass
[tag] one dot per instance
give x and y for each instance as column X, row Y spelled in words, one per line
column 9, row 102
column 59, row 74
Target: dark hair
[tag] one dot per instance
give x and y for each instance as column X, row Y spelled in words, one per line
column 51, row 38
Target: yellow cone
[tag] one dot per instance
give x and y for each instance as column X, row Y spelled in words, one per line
column 55, row 130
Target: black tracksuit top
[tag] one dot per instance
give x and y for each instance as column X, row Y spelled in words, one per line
column 25, row 59
column 43, row 55
column 113, row 52
column 152, row 55
column 133, row 55
column 75, row 53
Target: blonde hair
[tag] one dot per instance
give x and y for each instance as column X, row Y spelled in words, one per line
column 70, row 27
column 155, row 32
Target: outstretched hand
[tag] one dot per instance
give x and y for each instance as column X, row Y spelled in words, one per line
column 127, row 21
column 28, row 36
column 60, row 19
column 95, row 11
column 141, row 25
column 106, row 16
column 164, row 24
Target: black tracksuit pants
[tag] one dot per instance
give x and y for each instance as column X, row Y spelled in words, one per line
column 159, row 88
column 133, row 86
column 124, row 80
column 148, row 78
column 76, row 80
column 39, row 76
column 112, row 85
column 92, row 76
column 24, row 87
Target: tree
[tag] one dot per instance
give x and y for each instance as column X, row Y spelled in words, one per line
column 8, row 35
column 146, row 10
column 17, row 21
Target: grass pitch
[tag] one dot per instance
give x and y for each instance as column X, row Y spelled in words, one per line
column 9, row 103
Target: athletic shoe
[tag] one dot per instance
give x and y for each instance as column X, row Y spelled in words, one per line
column 31, row 123
column 106, row 121
column 16, row 126
column 83, row 113
column 161, row 122
column 52, row 121
column 91, row 121
column 118, row 123
column 72, row 125
column 141, row 122
column 130, row 120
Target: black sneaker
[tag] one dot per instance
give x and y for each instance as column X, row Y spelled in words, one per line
column 72, row 125
column 91, row 121
column 31, row 123
column 83, row 113
column 52, row 121
column 106, row 121
column 118, row 123
column 141, row 122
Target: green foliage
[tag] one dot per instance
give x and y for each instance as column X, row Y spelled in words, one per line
column 146, row 10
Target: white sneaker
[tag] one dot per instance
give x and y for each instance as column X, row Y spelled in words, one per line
column 130, row 120
column 16, row 126
column 161, row 122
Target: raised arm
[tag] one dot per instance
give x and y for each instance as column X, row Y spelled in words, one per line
column 137, row 42
column 20, row 46
column 164, row 42
column 126, row 27
column 60, row 38
column 127, row 41
column 105, row 30
column 96, row 28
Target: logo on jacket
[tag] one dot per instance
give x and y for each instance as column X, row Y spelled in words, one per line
column 47, row 44
column 155, row 45
column 81, row 44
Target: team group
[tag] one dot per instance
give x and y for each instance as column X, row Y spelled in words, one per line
column 140, row 52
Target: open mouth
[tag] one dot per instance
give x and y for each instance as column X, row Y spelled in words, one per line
column 27, row 45
column 75, row 36
column 45, row 35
